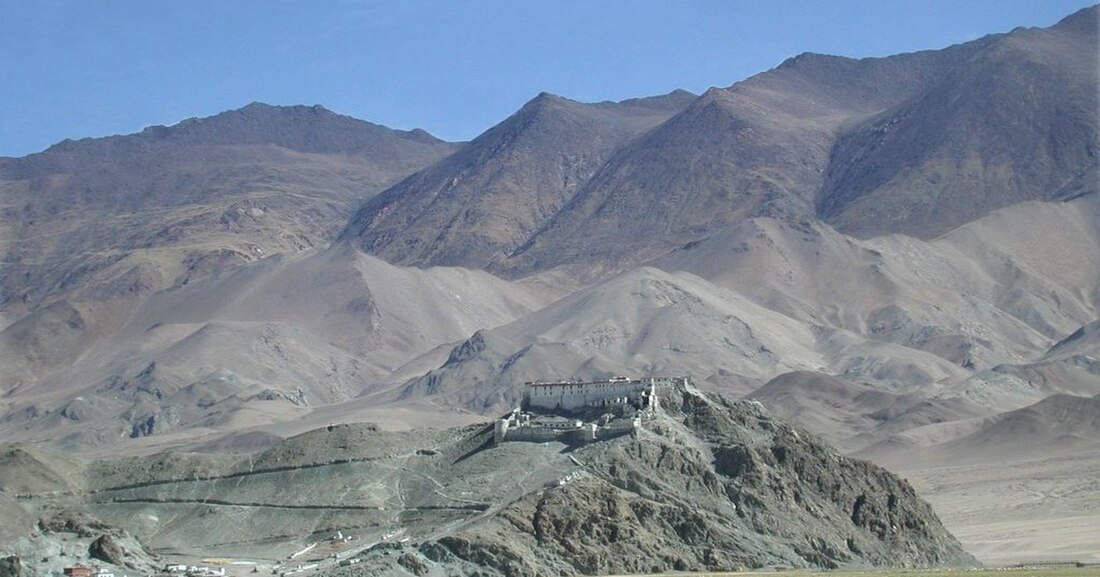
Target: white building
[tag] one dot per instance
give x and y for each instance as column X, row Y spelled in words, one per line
column 575, row 395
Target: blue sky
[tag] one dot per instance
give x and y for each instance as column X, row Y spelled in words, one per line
column 99, row 67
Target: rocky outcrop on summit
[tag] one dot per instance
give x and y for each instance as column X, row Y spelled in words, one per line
column 104, row 548
column 710, row 485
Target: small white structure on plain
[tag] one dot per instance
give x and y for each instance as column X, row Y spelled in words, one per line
column 303, row 551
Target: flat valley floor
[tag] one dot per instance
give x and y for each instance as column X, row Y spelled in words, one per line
column 1019, row 511
column 1032, row 571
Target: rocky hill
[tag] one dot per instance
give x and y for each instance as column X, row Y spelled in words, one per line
column 714, row 486
column 707, row 484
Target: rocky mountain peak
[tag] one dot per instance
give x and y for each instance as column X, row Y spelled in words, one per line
column 478, row 206
column 304, row 128
column 1085, row 21
column 1007, row 124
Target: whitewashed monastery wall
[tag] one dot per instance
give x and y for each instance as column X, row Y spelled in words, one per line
column 571, row 396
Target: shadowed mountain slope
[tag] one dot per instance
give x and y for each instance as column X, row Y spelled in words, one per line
column 125, row 215
column 1056, row 423
column 1016, row 121
column 915, row 143
column 1083, row 341
column 756, row 148
column 1070, row 367
column 479, row 205
column 893, row 426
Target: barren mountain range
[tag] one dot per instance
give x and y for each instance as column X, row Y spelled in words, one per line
column 900, row 254
column 915, row 144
